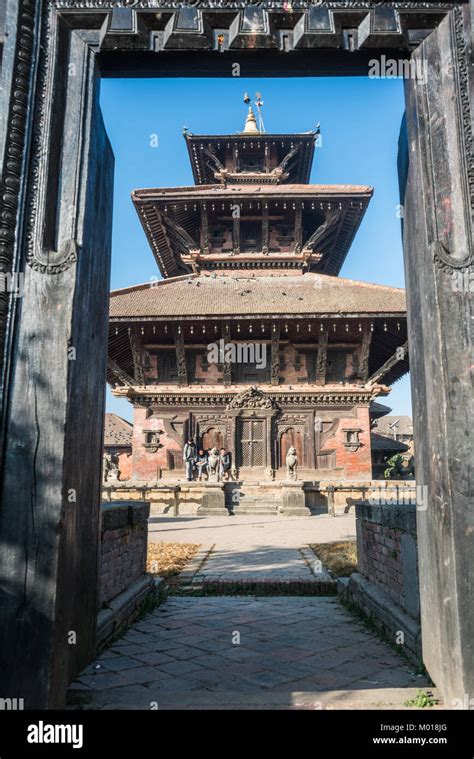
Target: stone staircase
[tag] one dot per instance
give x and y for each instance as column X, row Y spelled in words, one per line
column 265, row 498
column 240, row 499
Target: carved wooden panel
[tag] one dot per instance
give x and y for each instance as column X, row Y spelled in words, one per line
column 292, row 436
column 212, row 438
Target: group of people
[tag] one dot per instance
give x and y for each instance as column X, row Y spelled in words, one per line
column 210, row 462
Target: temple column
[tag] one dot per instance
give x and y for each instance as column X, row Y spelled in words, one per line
column 265, row 229
column 180, row 355
column 321, row 359
column 204, row 229
column 275, row 354
column 236, row 229
column 298, row 227
column 226, row 365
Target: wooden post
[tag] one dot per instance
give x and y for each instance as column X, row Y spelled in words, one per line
column 137, row 354
column 438, row 258
column 363, row 363
column 49, row 521
column 331, row 501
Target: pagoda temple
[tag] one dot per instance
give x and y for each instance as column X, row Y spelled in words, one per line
column 251, row 341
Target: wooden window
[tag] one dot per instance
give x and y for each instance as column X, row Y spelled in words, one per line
column 167, row 367
column 336, row 365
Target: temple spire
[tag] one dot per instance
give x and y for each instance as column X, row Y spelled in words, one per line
column 251, row 123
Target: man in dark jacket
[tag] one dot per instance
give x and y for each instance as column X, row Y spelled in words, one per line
column 189, row 456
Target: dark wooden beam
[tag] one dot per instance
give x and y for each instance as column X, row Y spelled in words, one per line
column 137, row 354
column 120, row 374
column 399, row 355
column 364, row 353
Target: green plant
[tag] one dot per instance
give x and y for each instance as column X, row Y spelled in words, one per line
column 421, row 700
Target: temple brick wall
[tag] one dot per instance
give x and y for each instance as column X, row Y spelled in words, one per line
column 351, row 462
column 124, row 531
column 387, row 551
column 147, row 463
column 125, row 460
column 386, row 585
column 357, row 464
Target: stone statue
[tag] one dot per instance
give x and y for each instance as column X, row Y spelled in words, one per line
column 291, row 464
column 213, row 464
column 110, row 470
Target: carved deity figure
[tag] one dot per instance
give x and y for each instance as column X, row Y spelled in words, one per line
column 291, row 463
column 213, row 464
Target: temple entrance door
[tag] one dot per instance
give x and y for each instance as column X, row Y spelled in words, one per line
column 251, row 443
column 212, row 438
column 290, row 437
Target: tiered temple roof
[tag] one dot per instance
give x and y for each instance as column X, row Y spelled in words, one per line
column 253, row 242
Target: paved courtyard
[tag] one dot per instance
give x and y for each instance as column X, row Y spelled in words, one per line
column 236, row 651
column 248, row 653
column 249, row 531
column 256, row 653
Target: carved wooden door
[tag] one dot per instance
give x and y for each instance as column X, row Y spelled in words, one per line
column 251, row 442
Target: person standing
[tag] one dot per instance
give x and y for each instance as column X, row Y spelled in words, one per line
column 189, row 456
column 225, row 463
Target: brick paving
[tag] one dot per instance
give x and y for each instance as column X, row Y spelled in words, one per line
column 256, row 562
column 241, row 531
column 248, row 652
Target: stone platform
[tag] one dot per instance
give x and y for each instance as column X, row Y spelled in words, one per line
column 257, row 497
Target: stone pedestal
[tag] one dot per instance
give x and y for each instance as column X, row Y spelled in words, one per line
column 293, row 499
column 212, row 498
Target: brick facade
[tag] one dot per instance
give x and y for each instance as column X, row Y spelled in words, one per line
column 124, row 531
column 387, row 555
column 353, row 463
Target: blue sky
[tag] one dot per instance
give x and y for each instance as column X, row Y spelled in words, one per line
column 360, row 121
